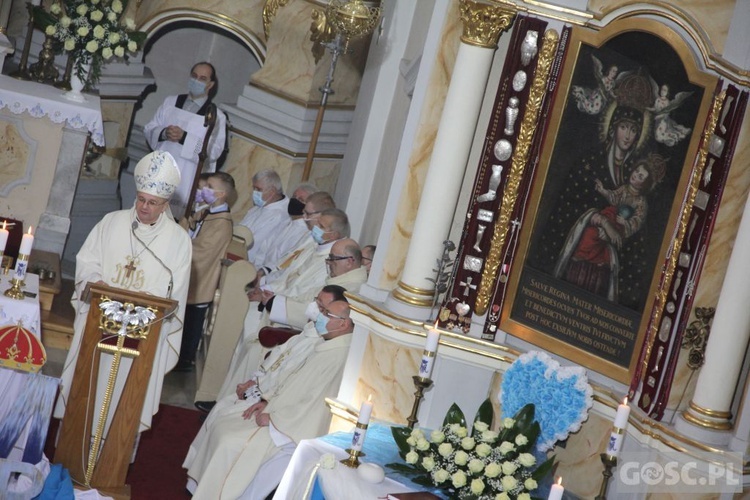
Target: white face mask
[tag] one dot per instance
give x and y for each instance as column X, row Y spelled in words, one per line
column 312, row 311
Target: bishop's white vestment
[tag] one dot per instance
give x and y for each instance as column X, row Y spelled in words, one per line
column 227, row 452
column 106, row 254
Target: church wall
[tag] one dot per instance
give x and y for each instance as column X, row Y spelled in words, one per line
column 421, row 151
column 22, row 138
column 247, row 12
column 713, row 17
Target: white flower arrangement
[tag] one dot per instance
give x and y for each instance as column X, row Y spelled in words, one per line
column 561, row 395
column 475, row 464
column 91, row 32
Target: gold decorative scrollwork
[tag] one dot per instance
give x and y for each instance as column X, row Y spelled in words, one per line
column 321, row 33
column 518, row 164
column 483, row 23
column 700, row 164
column 269, row 12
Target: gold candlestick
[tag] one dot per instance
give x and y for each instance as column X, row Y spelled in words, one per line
column 421, row 384
column 610, row 462
column 358, row 441
column 15, row 292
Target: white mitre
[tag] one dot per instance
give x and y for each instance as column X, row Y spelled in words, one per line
column 157, row 174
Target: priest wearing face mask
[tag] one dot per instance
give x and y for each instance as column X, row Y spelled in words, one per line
column 177, row 127
column 302, row 278
column 140, row 249
column 344, row 263
column 292, row 236
column 210, row 229
column 268, row 216
column 252, row 434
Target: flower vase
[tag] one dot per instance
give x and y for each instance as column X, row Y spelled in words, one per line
column 77, row 85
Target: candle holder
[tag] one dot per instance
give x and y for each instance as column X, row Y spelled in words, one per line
column 22, row 73
column 15, row 292
column 610, row 462
column 421, row 383
column 358, row 441
column 353, row 460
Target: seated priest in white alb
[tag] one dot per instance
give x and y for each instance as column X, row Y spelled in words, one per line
column 242, row 435
column 344, row 269
column 302, row 278
column 141, row 249
column 268, row 216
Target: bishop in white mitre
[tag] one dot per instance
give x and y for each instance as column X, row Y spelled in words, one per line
column 140, row 249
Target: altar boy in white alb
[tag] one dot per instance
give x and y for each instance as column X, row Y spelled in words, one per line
column 140, row 249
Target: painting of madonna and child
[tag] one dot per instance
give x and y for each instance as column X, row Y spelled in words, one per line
column 607, row 195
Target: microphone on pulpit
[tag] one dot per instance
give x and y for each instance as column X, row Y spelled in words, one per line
column 133, row 227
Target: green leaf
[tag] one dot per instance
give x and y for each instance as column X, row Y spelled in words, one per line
column 41, row 17
column 400, row 434
column 485, row 413
column 404, row 468
column 543, row 470
column 524, row 417
column 532, row 434
column 454, row 416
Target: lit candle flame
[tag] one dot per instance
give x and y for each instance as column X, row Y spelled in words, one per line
column 4, row 223
column 29, row 230
column 559, row 480
column 625, row 401
column 369, row 398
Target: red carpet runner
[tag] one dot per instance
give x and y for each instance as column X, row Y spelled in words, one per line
column 157, row 472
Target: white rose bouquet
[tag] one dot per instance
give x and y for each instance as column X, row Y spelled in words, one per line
column 91, row 32
column 479, row 464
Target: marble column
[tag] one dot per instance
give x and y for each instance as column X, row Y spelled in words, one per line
column 709, row 408
column 482, row 26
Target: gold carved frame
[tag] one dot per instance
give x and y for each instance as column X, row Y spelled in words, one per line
column 681, row 206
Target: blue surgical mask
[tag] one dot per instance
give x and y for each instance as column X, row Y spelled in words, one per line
column 317, row 235
column 258, row 198
column 321, row 324
column 196, row 87
column 209, row 196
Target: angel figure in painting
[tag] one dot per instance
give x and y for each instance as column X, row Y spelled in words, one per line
column 593, row 101
column 667, row 131
column 590, row 255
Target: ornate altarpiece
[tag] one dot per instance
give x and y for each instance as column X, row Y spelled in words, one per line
column 561, row 246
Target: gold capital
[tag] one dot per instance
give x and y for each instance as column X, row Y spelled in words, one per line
column 483, row 22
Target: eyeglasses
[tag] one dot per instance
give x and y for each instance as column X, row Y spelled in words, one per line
column 332, row 258
column 329, row 314
column 150, row 203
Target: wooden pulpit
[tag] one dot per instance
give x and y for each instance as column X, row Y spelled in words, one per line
column 115, row 325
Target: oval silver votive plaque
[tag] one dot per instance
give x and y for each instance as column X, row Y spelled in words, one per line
column 519, row 80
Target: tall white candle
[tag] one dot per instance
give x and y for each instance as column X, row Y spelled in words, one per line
column 360, row 430
column 3, row 237
column 428, row 356
column 26, row 243
column 365, row 411
column 556, row 491
column 618, row 432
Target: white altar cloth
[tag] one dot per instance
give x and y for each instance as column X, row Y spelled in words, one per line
column 46, row 101
column 27, row 310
